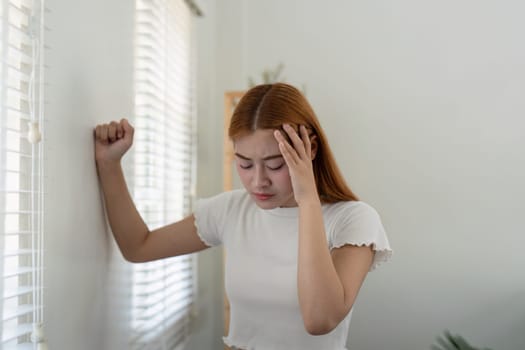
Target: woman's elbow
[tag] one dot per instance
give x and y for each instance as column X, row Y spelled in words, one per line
column 320, row 327
column 321, row 324
column 132, row 257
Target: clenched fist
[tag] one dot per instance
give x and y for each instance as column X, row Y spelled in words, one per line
column 112, row 141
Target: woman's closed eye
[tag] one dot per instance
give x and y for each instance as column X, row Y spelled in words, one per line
column 275, row 167
column 272, row 167
column 245, row 166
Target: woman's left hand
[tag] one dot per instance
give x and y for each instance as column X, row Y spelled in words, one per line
column 298, row 158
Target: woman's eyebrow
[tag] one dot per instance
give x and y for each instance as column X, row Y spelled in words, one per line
column 265, row 158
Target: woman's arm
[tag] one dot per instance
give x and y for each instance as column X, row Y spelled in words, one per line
column 327, row 283
column 133, row 237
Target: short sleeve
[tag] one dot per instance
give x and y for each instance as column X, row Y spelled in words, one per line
column 357, row 223
column 210, row 217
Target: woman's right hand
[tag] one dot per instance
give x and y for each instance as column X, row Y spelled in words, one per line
column 112, row 141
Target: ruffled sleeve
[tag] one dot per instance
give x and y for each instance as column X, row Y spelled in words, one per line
column 210, row 218
column 357, row 223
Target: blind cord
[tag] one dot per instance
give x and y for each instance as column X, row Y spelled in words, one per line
column 34, row 136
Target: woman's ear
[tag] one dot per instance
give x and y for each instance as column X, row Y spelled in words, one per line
column 313, row 145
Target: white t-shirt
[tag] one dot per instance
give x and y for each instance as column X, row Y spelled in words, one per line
column 261, row 266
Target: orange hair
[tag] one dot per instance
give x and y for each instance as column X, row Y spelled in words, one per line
column 269, row 106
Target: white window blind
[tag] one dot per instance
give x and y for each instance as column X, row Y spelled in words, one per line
column 21, row 173
column 163, row 291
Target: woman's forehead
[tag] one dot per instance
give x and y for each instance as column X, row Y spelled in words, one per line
column 259, row 136
column 259, row 144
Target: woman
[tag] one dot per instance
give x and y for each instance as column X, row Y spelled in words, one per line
column 298, row 241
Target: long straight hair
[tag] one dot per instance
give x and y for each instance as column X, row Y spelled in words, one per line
column 269, row 106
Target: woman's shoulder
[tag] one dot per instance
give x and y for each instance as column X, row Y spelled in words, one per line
column 350, row 208
column 237, row 195
column 227, row 199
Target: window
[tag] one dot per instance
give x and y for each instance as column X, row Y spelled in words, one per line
column 21, row 172
column 161, row 184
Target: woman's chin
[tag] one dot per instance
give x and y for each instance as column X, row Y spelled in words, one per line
column 266, row 204
column 273, row 202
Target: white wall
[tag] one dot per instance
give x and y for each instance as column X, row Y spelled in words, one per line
column 423, row 104
column 89, row 82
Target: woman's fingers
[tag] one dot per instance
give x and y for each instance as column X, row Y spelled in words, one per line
column 306, row 141
column 127, row 129
column 301, row 142
column 104, row 133
column 97, row 132
column 296, row 140
column 289, row 154
column 113, row 131
column 120, row 131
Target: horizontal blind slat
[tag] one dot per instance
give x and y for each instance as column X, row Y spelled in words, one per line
column 156, row 321
column 16, row 233
column 12, row 332
column 14, row 312
column 16, row 292
column 146, row 276
column 144, row 336
column 179, row 323
column 19, row 54
column 19, row 252
column 153, row 289
column 20, row 271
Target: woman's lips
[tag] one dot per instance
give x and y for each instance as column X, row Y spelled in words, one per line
column 262, row 196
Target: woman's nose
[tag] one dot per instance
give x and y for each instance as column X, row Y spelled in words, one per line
column 261, row 179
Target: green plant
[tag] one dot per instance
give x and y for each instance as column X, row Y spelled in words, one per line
column 449, row 341
column 268, row 76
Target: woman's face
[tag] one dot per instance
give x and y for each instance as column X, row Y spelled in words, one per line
column 263, row 171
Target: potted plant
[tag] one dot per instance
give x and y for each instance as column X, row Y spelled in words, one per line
column 449, row 341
